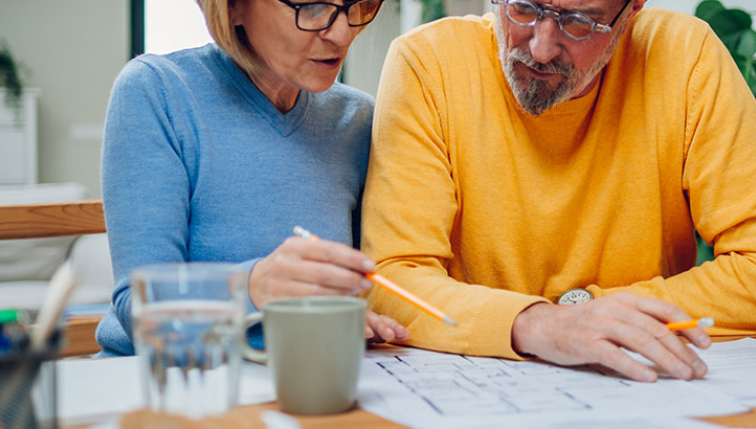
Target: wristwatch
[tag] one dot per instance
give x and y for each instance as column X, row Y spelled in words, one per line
column 575, row 296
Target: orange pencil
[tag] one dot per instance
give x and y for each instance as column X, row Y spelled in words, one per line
column 704, row 322
column 391, row 286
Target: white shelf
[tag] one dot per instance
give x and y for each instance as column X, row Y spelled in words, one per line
column 18, row 139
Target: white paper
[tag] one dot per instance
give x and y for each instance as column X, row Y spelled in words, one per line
column 425, row 389
column 90, row 390
column 732, row 369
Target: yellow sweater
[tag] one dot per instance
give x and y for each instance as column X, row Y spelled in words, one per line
column 483, row 210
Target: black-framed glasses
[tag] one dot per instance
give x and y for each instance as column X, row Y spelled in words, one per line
column 317, row 16
column 575, row 25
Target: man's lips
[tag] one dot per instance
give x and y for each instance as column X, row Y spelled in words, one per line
column 539, row 74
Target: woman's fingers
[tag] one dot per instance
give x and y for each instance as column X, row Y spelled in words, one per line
column 331, row 253
column 385, row 328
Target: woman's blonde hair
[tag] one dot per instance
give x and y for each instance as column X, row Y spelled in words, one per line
column 230, row 38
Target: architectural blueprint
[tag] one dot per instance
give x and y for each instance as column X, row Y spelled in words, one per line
column 426, row 389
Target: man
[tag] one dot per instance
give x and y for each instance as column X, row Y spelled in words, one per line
column 565, row 149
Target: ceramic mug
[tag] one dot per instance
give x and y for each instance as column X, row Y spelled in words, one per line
column 314, row 346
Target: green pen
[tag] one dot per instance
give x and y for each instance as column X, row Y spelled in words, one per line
column 12, row 315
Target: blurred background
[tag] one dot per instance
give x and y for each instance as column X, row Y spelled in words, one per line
column 69, row 52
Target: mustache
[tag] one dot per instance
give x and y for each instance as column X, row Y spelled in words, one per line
column 552, row 66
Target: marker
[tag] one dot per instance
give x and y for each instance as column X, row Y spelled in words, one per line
column 704, row 322
column 391, row 286
column 13, row 336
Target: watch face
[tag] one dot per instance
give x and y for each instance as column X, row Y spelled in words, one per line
column 575, row 296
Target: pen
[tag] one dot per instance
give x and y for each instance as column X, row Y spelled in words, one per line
column 391, row 286
column 704, row 322
column 61, row 286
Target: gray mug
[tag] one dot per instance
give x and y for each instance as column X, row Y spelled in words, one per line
column 313, row 348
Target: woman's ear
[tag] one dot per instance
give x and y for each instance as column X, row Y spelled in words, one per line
column 236, row 9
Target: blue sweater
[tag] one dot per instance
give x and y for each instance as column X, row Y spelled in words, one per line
column 198, row 165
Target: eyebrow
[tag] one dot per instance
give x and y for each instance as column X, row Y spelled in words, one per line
column 592, row 11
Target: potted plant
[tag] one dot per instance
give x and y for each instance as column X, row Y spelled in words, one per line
column 735, row 28
column 10, row 78
column 432, row 10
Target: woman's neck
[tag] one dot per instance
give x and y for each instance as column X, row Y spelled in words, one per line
column 281, row 94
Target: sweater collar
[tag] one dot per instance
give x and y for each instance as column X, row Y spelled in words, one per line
column 284, row 123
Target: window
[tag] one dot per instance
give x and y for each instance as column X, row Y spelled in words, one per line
column 162, row 26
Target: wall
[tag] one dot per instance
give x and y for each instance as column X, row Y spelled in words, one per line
column 365, row 59
column 689, row 6
column 74, row 50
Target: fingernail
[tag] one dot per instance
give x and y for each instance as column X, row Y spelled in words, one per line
column 649, row 376
column 704, row 340
column 368, row 265
column 366, row 284
column 699, row 367
column 684, row 372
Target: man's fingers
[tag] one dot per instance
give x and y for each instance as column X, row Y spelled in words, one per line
column 641, row 341
column 672, row 344
column 667, row 312
column 698, row 337
column 611, row 356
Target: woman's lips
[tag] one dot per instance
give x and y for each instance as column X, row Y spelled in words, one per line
column 328, row 63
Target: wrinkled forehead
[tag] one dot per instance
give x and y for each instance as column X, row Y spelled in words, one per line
column 592, row 7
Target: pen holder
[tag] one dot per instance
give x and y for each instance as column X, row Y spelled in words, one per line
column 27, row 388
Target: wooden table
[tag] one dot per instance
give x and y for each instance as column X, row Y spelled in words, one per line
column 250, row 417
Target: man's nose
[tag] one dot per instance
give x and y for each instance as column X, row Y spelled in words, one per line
column 545, row 43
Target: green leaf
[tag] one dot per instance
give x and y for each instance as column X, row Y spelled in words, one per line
column 731, row 41
column 708, row 8
column 747, row 44
column 729, row 22
column 750, row 76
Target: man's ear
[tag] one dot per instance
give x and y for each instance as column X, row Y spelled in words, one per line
column 635, row 7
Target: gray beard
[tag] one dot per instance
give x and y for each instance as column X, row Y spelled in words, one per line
column 534, row 95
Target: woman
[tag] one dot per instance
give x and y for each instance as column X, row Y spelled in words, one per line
column 215, row 153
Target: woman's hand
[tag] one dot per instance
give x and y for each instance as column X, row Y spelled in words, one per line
column 383, row 328
column 303, row 267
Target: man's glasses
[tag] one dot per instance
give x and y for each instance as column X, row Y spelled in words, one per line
column 575, row 25
column 318, row 16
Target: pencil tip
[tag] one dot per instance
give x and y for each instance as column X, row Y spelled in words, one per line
column 449, row 321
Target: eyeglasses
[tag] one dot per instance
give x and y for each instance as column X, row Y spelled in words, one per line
column 575, row 25
column 317, row 16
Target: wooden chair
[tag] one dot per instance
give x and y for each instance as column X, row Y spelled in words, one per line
column 54, row 220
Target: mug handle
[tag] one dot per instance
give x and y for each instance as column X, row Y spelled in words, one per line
column 247, row 351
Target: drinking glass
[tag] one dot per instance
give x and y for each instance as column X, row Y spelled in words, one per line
column 188, row 335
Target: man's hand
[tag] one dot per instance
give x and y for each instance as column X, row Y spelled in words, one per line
column 594, row 332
